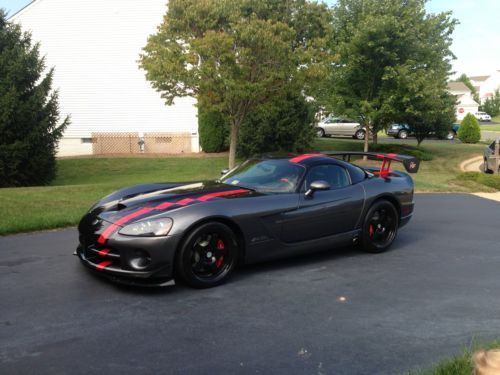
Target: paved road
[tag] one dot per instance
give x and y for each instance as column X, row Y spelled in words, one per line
column 425, row 299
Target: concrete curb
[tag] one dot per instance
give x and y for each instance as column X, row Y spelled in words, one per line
column 472, row 165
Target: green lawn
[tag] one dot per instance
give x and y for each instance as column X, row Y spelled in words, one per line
column 491, row 128
column 460, row 364
column 81, row 182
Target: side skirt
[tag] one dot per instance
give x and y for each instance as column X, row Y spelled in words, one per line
column 274, row 249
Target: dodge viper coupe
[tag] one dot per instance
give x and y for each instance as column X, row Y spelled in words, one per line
column 266, row 208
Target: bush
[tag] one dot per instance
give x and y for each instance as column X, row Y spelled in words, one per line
column 29, row 112
column 213, row 129
column 489, row 180
column 469, row 131
column 283, row 125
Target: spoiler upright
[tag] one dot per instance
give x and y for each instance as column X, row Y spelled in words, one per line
column 410, row 163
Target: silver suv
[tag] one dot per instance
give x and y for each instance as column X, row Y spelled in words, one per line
column 340, row 126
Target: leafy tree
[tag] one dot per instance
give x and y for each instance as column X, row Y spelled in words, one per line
column 213, row 129
column 469, row 131
column 377, row 41
column 466, row 81
column 492, row 104
column 282, row 125
column 29, row 111
column 236, row 55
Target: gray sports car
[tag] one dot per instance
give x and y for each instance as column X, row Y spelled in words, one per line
column 266, row 208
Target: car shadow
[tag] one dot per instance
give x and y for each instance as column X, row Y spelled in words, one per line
column 316, row 257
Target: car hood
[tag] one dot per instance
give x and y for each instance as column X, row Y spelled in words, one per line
column 158, row 198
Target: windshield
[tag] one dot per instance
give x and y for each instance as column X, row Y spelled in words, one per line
column 268, row 176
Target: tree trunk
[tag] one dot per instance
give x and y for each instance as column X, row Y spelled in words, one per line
column 375, row 138
column 233, row 140
column 367, row 136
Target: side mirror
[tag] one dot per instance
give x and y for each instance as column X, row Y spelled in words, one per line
column 317, row 185
column 224, row 171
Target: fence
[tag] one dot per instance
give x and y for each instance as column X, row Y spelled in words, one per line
column 130, row 143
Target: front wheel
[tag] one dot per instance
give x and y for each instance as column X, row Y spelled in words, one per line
column 403, row 134
column 485, row 167
column 208, row 256
column 380, row 227
column 320, row 132
column 360, row 134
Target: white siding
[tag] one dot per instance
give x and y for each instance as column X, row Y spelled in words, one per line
column 94, row 46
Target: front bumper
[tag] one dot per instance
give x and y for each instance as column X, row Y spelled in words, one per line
column 117, row 259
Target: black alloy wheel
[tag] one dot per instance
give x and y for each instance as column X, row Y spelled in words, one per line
column 207, row 256
column 380, row 227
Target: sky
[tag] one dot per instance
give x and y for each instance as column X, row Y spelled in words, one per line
column 475, row 40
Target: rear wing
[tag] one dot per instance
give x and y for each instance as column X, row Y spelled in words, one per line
column 410, row 163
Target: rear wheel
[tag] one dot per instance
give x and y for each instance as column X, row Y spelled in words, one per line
column 360, row 134
column 380, row 227
column 208, row 256
column 450, row 136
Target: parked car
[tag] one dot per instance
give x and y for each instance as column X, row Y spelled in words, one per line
column 403, row 131
column 489, row 158
column 268, row 207
column 482, row 116
column 340, row 126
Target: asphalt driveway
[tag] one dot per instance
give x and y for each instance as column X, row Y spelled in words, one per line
column 342, row 312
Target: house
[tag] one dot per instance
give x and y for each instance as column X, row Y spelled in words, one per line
column 465, row 102
column 94, row 46
column 486, row 85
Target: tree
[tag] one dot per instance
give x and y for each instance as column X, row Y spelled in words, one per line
column 469, row 131
column 29, row 113
column 376, row 41
column 466, row 81
column 282, row 125
column 492, row 104
column 235, row 55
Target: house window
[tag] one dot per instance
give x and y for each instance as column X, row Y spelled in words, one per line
column 87, row 140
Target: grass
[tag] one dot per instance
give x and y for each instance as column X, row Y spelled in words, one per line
column 460, row 364
column 81, row 182
column 490, row 128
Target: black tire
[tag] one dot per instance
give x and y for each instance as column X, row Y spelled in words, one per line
column 403, row 134
column 360, row 134
column 485, row 167
column 451, row 135
column 320, row 132
column 208, row 256
column 380, row 227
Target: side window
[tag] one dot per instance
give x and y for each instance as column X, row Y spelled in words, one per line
column 492, row 146
column 335, row 175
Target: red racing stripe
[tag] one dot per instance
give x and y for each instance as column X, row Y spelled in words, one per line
column 104, row 236
column 206, row 197
column 299, row 158
column 184, row 201
column 103, row 252
column 103, row 265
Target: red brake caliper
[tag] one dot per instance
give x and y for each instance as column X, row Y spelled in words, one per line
column 370, row 229
column 220, row 246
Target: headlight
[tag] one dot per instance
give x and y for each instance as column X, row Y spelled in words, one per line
column 148, row 228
